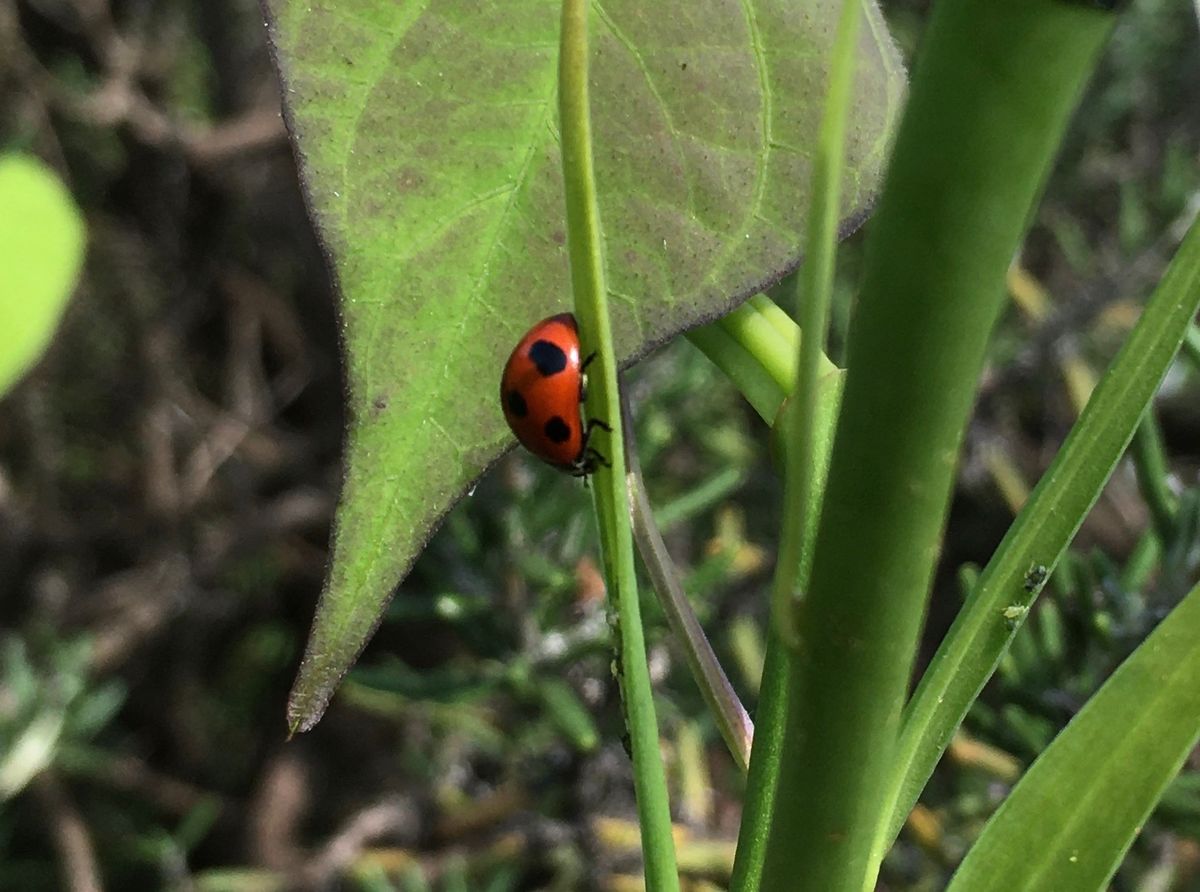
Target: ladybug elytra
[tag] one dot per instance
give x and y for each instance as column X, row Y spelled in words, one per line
column 542, row 392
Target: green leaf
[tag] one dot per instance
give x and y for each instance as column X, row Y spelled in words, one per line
column 1042, row 531
column 41, row 250
column 1069, row 821
column 569, row 714
column 427, row 143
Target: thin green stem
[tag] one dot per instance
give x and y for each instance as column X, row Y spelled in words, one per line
column 1150, row 464
column 765, row 758
column 585, row 248
column 744, row 351
column 1191, row 346
column 814, row 292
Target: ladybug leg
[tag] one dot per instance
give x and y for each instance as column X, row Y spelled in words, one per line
column 590, row 457
column 586, row 451
column 595, row 457
column 587, row 463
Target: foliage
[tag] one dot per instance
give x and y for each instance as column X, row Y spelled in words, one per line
column 450, row 153
column 41, row 250
column 167, row 477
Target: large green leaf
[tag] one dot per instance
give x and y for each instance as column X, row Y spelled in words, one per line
column 1067, row 824
column 41, row 251
column 427, row 139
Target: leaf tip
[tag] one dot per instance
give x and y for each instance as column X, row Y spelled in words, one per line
column 306, row 705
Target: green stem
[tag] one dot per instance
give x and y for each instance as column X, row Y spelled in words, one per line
column 745, row 369
column 765, row 758
column 1150, row 464
column 756, row 347
column 992, row 93
column 782, row 322
column 744, row 350
column 814, row 292
column 585, row 247
column 1191, row 345
column 765, row 342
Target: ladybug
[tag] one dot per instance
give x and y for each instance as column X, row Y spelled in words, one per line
column 542, row 392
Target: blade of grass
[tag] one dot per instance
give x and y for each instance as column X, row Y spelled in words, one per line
column 1070, row 820
column 1191, row 345
column 585, row 249
column 991, row 95
column 700, row 499
column 1150, row 466
column 1039, row 536
column 727, row 710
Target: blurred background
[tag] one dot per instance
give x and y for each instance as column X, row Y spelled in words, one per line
column 169, row 470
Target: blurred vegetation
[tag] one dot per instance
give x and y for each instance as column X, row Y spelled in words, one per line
column 41, row 250
column 168, row 471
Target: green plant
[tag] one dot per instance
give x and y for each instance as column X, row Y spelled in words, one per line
column 841, row 751
column 41, row 252
column 47, row 707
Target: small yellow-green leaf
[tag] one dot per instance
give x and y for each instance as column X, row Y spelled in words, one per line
column 41, row 249
column 1067, row 824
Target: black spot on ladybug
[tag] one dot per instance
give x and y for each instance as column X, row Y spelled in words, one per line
column 557, row 430
column 548, row 357
column 516, row 404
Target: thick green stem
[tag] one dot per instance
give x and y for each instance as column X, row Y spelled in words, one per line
column 994, row 87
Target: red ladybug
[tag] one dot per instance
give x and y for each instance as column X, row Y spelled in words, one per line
column 542, row 392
